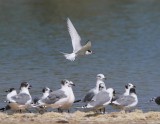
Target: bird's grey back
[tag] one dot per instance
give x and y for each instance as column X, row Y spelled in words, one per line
column 125, row 100
column 100, row 99
column 21, row 98
column 117, row 96
column 54, row 97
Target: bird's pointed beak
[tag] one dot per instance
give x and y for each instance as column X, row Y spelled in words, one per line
column 30, row 86
column 71, row 83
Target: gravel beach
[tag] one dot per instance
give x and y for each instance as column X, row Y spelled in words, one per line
column 78, row 117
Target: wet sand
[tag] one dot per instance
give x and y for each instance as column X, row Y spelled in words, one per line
column 137, row 117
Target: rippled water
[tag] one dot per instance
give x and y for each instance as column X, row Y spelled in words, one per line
column 125, row 36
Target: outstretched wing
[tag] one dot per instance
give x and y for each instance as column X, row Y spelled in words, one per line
column 76, row 39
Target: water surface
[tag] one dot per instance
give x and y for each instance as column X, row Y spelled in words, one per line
column 124, row 34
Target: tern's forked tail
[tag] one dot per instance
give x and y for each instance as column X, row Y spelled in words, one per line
column 70, row 56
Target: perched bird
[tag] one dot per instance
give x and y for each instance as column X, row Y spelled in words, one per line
column 45, row 94
column 91, row 93
column 62, row 98
column 126, row 93
column 11, row 92
column 102, row 99
column 21, row 101
column 37, row 101
column 127, row 102
column 78, row 49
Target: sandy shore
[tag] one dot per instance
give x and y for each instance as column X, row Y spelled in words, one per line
column 137, row 117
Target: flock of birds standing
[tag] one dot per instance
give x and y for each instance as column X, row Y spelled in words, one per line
column 62, row 99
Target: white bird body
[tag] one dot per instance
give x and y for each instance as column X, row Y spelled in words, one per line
column 12, row 92
column 128, row 101
column 91, row 93
column 21, row 101
column 62, row 98
column 24, row 90
column 46, row 91
column 78, row 49
column 102, row 99
column 65, row 103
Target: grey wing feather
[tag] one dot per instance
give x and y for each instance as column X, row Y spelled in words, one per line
column 74, row 36
column 125, row 100
column 54, row 97
column 21, row 98
column 83, row 50
column 117, row 96
column 88, row 97
column 100, row 99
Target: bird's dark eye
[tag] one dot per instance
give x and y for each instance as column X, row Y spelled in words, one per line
column 89, row 50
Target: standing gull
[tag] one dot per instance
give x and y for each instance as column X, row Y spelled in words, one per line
column 45, row 94
column 102, row 99
column 126, row 93
column 62, row 98
column 78, row 49
column 92, row 92
column 21, row 101
column 127, row 102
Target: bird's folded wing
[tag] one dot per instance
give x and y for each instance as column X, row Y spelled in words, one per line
column 125, row 100
column 21, row 98
column 100, row 99
column 88, row 97
column 54, row 97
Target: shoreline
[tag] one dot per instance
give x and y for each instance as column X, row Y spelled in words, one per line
column 78, row 117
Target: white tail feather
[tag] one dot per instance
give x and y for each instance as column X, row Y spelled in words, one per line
column 70, row 56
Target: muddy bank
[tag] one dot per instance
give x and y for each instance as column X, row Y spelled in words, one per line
column 81, row 118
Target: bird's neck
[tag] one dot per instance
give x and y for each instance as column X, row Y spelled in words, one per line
column 97, row 84
column 133, row 95
column 67, row 90
column 45, row 95
column 126, row 92
column 24, row 90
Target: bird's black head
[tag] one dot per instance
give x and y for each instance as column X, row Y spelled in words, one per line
column 25, row 84
column 133, row 90
column 63, row 82
column 10, row 90
column 46, row 89
column 126, row 86
column 88, row 52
